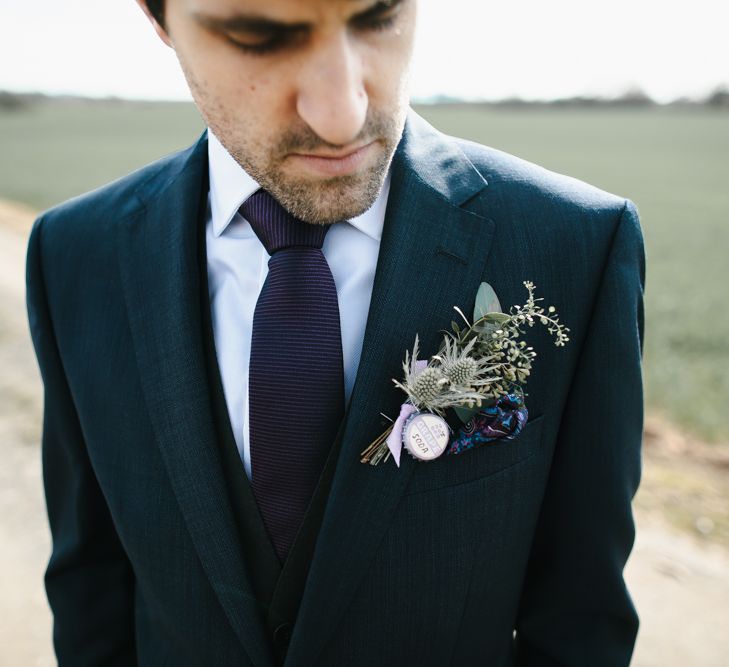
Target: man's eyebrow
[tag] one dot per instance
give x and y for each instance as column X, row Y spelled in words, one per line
column 247, row 23
column 255, row 23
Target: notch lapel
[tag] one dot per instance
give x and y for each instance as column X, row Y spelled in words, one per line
column 432, row 257
column 158, row 263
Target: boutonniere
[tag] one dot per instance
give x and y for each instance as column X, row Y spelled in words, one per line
column 479, row 372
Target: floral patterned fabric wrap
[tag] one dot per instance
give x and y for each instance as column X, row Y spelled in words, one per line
column 505, row 419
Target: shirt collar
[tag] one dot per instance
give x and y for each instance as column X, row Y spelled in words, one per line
column 231, row 185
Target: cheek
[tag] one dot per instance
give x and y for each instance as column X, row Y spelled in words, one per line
column 388, row 70
column 218, row 73
column 388, row 81
column 227, row 97
column 262, row 107
column 251, row 91
column 250, row 116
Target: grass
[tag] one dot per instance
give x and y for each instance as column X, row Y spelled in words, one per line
column 53, row 151
column 673, row 162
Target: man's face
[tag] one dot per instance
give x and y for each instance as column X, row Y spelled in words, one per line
column 309, row 96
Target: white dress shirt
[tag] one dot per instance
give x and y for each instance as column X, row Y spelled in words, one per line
column 238, row 265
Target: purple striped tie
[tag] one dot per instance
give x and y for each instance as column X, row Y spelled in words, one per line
column 296, row 376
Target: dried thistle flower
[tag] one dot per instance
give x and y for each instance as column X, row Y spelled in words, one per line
column 480, row 362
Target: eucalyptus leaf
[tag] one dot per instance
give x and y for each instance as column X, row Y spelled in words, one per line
column 484, row 328
column 496, row 318
column 486, row 301
column 490, row 323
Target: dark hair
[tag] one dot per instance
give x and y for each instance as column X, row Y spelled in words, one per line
column 156, row 7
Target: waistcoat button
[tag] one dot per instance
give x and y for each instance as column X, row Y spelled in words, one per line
column 282, row 635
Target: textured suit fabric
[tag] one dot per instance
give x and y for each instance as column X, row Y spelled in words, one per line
column 510, row 554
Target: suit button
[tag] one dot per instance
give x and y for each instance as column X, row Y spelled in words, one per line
column 282, row 635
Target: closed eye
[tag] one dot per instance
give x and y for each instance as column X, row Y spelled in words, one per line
column 263, row 44
column 379, row 17
column 256, row 35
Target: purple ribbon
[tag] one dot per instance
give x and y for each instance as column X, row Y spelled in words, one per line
column 394, row 440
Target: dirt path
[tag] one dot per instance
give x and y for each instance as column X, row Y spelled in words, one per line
column 678, row 572
column 681, row 591
column 25, row 622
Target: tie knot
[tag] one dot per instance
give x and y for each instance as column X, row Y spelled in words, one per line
column 276, row 227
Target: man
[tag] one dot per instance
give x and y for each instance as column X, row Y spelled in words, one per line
column 209, row 509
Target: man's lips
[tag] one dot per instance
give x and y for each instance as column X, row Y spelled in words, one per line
column 334, row 164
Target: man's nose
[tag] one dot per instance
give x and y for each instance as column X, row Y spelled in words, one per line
column 332, row 98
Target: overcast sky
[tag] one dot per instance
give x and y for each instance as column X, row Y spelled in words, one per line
column 470, row 48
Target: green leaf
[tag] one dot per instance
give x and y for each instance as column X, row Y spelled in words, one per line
column 465, row 414
column 496, row 318
column 486, row 301
column 490, row 323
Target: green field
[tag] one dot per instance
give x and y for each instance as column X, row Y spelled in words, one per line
column 673, row 162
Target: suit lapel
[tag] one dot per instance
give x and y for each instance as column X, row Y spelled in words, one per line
column 432, row 257
column 157, row 253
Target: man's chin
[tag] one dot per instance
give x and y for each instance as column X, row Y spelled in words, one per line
column 326, row 201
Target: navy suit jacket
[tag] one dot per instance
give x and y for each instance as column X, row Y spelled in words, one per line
column 508, row 554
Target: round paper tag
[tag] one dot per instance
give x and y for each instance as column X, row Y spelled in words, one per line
column 425, row 436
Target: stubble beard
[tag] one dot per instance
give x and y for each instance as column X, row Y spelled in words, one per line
column 323, row 201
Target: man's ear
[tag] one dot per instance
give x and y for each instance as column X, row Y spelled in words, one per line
column 157, row 27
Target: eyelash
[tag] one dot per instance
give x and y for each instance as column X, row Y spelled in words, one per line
column 274, row 44
column 259, row 49
column 382, row 23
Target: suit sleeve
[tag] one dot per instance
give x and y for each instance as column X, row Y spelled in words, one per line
column 88, row 580
column 575, row 609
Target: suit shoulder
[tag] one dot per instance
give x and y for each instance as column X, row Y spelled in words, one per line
column 511, row 174
column 549, row 208
column 93, row 212
column 79, row 235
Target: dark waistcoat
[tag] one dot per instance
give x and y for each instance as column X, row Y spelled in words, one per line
column 278, row 587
